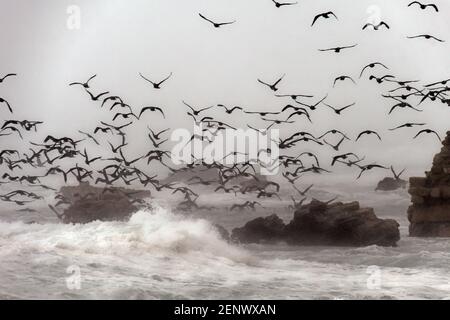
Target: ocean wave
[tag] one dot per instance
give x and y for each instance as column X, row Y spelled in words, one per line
column 158, row 232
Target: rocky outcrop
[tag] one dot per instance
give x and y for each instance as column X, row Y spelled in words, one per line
column 392, row 183
column 319, row 223
column 429, row 214
column 84, row 189
column 88, row 203
column 259, row 230
column 108, row 208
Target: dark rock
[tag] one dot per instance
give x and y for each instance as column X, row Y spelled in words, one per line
column 319, row 223
column 85, row 211
column 89, row 203
column 429, row 214
column 341, row 224
column 268, row 229
column 391, row 184
column 84, row 189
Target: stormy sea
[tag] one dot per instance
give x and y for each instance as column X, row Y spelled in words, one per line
column 159, row 254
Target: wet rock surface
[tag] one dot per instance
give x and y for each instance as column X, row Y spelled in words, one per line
column 89, row 203
column 319, row 223
column 429, row 214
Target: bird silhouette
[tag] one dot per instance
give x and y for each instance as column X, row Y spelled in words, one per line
column 338, row 49
column 376, row 26
column 368, row 132
column 156, row 85
column 272, row 87
column 371, row 66
column 343, row 78
column 83, row 84
column 407, row 125
column 428, row 131
column 424, row 6
column 425, row 36
column 97, row 97
column 338, row 111
column 282, row 4
column 2, row 100
column 7, row 76
column 325, row 15
column 152, row 109
column 196, row 112
column 216, row 24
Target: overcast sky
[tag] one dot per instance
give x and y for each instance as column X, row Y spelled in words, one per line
column 118, row 39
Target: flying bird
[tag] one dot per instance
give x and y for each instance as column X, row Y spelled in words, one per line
column 339, row 110
column 97, row 97
column 156, row 85
column 368, row 132
column 424, row 6
column 403, row 105
column 371, row 66
column 153, row 109
column 84, row 84
column 325, row 15
column 281, row 4
column 216, row 24
column 7, row 104
column 443, row 82
column 196, row 112
column 407, row 125
column 427, row 131
column 426, row 36
column 272, row 87
column 343, row 78
column 376, row 26
column 369, row 167
column 6, row 76
column 338, row 49
column 381, row 79
column 230, row 111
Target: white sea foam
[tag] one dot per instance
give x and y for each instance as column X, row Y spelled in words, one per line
column 159, row 255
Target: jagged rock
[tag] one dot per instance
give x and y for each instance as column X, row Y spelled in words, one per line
column 89, row 203
column 112, row 209
column 341, row 224
column 84, row 189
column 319, row 223
column 268, row 229
column 429, row 214
column 391, row 184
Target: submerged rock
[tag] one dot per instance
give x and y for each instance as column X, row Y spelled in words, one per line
column 429, row 214
column 319, row 223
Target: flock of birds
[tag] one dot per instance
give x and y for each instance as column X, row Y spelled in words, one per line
column 69, row 158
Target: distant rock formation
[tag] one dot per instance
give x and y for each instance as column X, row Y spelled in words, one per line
column 319, row 223
column 391, row 184
column 84, row 189
column 212, row 174
column 429, row 214
column 89, row 203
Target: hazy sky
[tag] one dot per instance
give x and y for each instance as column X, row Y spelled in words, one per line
column 118, row 39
